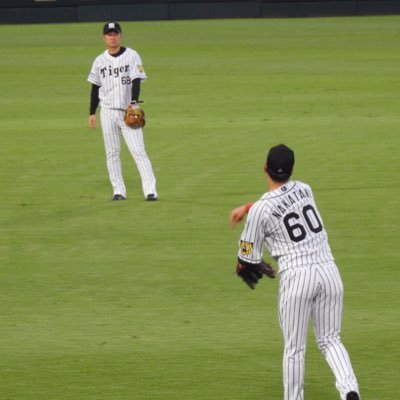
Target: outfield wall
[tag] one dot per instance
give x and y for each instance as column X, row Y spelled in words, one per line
column 45, row 11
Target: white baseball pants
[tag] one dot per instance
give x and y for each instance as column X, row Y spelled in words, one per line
column 313, row 292
column 113, row 126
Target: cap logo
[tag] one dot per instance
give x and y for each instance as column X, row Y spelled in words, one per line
column 111, row 25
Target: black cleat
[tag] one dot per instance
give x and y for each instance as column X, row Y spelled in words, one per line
column 118, row 197
column 352, row 396
column 151, row 197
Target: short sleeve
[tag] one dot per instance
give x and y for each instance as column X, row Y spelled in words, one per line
column 137, row 68
column 94, row 76
column 252, row 238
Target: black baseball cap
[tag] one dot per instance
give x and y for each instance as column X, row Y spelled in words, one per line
column 112, row 27
column 280, row 161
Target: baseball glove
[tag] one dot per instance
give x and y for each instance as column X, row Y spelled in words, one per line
column 134, row 117
column 252, row 273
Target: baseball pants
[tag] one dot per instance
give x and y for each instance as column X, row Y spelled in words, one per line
column 313, row 292
column 113, row 127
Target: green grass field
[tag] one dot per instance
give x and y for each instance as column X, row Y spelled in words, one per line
column 105, row 300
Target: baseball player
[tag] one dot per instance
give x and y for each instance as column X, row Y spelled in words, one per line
column 116, row 76
column 286, row 220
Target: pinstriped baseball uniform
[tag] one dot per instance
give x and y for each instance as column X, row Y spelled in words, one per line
column 114, row 75
column 287, row 222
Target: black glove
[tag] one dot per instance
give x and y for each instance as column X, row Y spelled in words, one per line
column 252, row 273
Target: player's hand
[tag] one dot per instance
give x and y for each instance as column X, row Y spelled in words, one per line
column 237, row 214
column 92, row 121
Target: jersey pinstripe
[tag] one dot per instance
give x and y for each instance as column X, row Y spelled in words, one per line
column 288, row 223
column 114, row 75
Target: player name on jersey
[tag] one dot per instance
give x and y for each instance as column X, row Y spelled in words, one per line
column 289, row 199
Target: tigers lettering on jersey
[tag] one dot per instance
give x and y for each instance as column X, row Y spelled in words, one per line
column 114, row 76
column 110, row 71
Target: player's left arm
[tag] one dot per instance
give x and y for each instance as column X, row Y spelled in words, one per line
column 137, row 69
column 252, row 238
column 134, row 116
column 250, row 266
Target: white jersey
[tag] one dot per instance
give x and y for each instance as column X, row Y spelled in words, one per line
column 287, row 221
column 114, row 75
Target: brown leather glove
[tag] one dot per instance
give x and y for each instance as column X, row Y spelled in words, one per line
column 134, row 117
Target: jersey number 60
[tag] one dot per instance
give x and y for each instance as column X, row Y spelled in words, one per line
column 296, row 230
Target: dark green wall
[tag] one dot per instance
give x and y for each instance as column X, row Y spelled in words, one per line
column 31, row 11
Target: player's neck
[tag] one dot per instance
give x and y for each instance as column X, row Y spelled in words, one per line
column 118, row 53
column 113, row 50
column 273, row 185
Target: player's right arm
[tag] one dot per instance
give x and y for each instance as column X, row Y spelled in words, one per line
column 238, row 213
column 94, row 102
column 92, row 121
column 94, row 79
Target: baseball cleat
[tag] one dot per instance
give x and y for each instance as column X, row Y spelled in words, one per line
column 118, row 197
column 151, row 197
column 352, row 396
